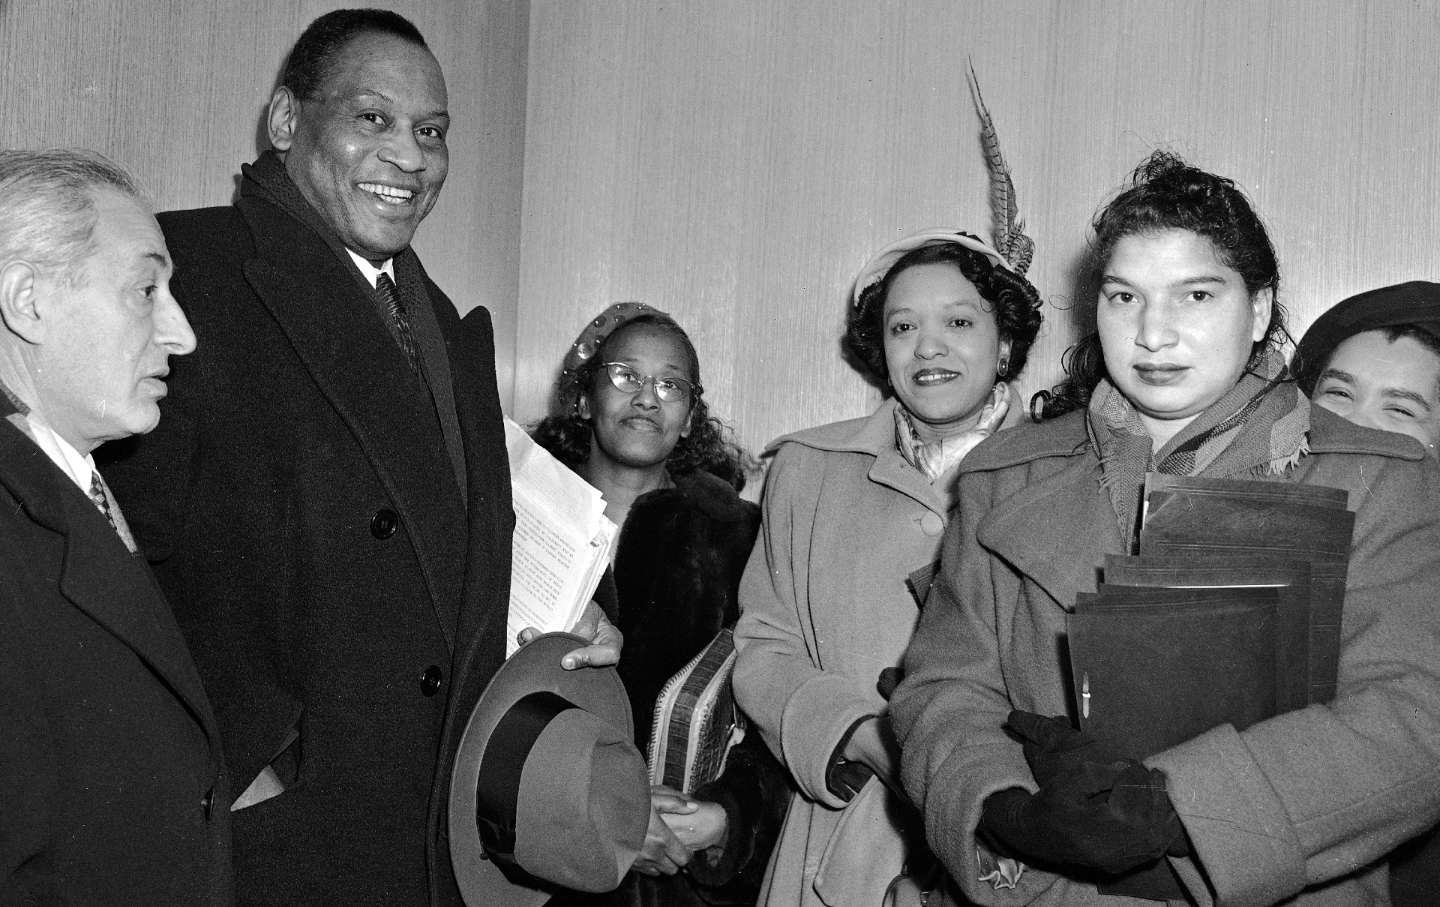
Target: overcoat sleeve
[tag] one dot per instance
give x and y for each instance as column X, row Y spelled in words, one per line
column 1324, row 791
column 754, row 791
column 802, row 710
column 28, row 783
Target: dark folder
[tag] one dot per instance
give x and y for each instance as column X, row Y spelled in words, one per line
column 1201, row 518
column 1288, row 575
column 1155, row 667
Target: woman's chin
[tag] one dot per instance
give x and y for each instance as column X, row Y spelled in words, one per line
column 943, row 412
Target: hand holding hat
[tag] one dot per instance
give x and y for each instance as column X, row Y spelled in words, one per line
column 548, row 789
column 604, row 637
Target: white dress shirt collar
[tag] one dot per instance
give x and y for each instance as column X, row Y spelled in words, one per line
column 79, row 467
column 371, row 272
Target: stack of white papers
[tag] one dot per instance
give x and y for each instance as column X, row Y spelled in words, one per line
column 562, row 539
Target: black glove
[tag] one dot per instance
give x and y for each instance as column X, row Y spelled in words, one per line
column 1074, row 823
column 1054, row 749
column 1096, row 808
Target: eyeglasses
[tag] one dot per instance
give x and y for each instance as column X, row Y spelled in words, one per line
column 670, row 390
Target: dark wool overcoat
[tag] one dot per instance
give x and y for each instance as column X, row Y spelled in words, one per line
column 112, row 784
column 344, row 599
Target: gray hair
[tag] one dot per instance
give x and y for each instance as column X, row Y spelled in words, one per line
column 47, row 205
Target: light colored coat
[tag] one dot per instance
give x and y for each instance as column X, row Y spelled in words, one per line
column 824, row 608
column 1304, row 805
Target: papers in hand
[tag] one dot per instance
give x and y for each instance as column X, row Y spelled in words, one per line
column 562, row 539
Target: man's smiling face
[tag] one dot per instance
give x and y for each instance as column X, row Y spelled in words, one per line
column 368, row 149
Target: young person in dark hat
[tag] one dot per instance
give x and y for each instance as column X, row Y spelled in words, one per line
column 1375, row 360
column 631, row 418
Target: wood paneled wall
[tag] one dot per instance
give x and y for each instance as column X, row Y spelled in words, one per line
column 176, row 90
column 735, row 161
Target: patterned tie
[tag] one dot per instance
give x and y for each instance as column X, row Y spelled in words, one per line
column 399, row 321
column 101, row 499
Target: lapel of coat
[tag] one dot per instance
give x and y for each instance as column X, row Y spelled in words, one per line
column 340, row 339
column 1056, row 530
column 99, row 576
column 490, row 513
column 876, row 436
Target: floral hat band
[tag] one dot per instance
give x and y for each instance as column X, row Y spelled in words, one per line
column 881, row 263
column 600, row 327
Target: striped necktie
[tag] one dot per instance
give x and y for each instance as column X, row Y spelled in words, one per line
column 100, row 497
column 399, row 320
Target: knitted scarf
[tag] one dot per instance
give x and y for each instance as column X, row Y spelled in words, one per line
column 1259, row 427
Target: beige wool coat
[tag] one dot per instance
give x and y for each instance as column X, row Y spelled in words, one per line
column 824, row 608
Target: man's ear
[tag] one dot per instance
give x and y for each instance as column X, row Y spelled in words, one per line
column 20, row 309
column 283, row 119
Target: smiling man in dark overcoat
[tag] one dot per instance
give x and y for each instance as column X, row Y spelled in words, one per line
column 328, row 501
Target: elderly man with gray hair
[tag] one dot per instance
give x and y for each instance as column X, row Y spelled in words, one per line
column 111, row 779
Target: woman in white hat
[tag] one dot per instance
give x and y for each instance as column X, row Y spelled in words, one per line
column 851, row 510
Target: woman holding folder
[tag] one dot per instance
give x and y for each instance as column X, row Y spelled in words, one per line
column 632, row 421
column 1183, row 377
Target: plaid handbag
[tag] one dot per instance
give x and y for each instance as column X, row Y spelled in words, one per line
column 696, row 721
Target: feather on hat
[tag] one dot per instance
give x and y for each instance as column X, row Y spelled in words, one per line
column 1013, row 250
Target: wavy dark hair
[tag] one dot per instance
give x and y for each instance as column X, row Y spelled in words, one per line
column 1166, row 193
column 708, row 447
column 1016, row 306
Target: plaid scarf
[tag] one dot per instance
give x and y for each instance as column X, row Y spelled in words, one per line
column 1260, row 427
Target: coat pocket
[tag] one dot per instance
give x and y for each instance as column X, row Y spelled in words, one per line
column 866, row 851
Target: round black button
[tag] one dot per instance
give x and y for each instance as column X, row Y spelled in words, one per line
column 207, row 803
column 384, row 523
column 430, row 680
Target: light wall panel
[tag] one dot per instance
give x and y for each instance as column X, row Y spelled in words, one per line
column 735, row 161
column 177, row 89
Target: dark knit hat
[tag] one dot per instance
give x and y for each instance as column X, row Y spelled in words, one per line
column 1416, row 303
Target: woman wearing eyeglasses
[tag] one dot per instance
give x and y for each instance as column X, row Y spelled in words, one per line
column 632, row 421
column 851, row 510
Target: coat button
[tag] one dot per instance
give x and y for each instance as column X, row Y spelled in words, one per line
column 932, row 524
column 207, row 803
column 384, row 523
column 430, row 680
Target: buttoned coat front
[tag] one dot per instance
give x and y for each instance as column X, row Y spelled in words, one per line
column 345, row 600
column 112, row 784
column 1304, row 805
column 824, row 609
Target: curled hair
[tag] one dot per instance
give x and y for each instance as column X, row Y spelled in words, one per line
column 47, row 206
column 708, row 447
column 1016, row 306
column 311, row 58
column 1166, row 193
